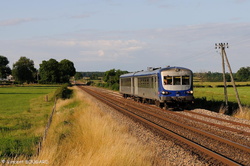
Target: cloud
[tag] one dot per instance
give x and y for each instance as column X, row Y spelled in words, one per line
column 101, row 53
column 129, row 45
column 81, row 16
column 80, row 51
column 16, row 21
column 113, row 2
column 108, row 50
column 160, row 3
column 240, row 1
column 188, row 46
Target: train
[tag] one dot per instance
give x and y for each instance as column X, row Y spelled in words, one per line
column 165, row 87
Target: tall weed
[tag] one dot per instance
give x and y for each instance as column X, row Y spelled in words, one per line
column 243, row 114
column 81, row 134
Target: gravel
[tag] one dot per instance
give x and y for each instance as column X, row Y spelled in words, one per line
column 165, row 150
column 214, row 114
column 234, row 136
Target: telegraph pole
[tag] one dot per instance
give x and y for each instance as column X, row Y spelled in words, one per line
column 222, row 46
column 233, row 82
column 224, row 55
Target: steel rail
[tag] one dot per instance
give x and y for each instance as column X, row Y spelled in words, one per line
column 223, row 140
column 209, row 123
column 217, row 125
column 215, row 137
column 220, row 119
column 187, row 141
column 206, row 122
column 211, row 117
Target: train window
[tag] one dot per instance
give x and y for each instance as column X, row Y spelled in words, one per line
column 126, row 81
column 185, row 80
column 145, row 82
column 167, row 80
column 177, row 80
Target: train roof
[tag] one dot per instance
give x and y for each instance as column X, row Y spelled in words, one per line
column 150, row 71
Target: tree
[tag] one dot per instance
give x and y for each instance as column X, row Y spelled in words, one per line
column 112, row 78
column 109, row 76
column 67, row 70
column 49, row 71
column 243, row 74
column 212, row 77
column 52, row 71
column 4, row 68
column 78, row 75
column 24, row 70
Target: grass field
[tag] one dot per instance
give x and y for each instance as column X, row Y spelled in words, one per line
column 217, row 94
column 24, row 113
column 215, row 84
column 213, row 93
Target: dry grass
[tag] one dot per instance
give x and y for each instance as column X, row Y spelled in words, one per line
column 82, row 135
column 243, row 114
column 223, row 109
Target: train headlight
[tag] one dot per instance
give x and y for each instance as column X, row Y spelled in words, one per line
column 190, row 92
column 164, row 92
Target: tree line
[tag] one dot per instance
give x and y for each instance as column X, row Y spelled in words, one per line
column 110, row 78
column 50, row 71
column 243, row 74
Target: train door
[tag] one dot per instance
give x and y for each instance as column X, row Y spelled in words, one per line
column 155, row 86
column 135, row 86
column 132, row 86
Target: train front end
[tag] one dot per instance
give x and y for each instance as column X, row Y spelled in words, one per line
column 176, row 85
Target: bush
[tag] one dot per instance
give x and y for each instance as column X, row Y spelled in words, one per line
column 90, row 83
column 102, row 84
column 63, row 92
column 115, row 87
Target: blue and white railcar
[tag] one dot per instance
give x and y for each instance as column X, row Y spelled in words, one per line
column 161, row 86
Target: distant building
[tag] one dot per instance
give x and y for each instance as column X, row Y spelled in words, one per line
column 9, row 78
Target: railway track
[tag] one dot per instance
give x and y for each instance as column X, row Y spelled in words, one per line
column 209, row 143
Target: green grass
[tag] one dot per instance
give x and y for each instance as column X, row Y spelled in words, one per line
column 17, row 99
column 24, row 114
column 217, row 94
column 215, row 84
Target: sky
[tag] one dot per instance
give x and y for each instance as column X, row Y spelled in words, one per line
column 131, row 35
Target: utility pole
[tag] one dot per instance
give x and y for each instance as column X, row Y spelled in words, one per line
column 224, row 55
column 221, row 46
column 233, row 82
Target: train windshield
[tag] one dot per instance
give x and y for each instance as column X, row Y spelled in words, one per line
column 185, row 80
column 176, row 80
